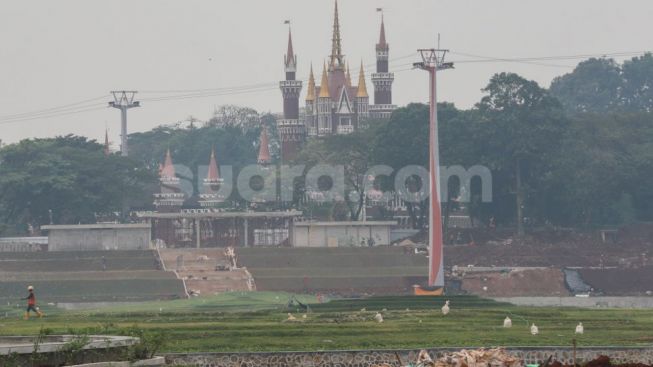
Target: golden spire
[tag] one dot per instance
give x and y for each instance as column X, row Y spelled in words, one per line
column 337, row 58
column 362, row 88
column 348, row 77
column 324, row 84
column 310, row 93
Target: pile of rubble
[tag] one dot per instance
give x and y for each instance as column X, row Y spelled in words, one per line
column 497, row 357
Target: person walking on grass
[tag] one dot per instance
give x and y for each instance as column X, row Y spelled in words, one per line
column 31, row 303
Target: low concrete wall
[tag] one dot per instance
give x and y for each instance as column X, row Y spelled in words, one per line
column 98, row 237
column 369, row 358
column 342, row 234
column 608, row 302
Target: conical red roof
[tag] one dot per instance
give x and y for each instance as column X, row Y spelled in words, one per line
column 264, row 148
column 213, row 174
column 168, row 170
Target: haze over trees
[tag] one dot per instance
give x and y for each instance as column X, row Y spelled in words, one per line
column 579, row 153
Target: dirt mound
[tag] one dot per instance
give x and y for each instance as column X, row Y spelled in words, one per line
column 520, row 282
column 628, row 247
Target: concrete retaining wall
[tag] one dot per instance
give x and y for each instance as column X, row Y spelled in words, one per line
column 369, row 358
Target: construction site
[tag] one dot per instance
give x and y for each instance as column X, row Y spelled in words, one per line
column 548, row 263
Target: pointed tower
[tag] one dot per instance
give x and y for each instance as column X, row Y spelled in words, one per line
column 362, row 99
column 210, row 196
column 337, row 59
column 170, row 198
column 324, row 112
column 382, row 79
column 291, row 130
column 264, row 148
column 337, row 67
column 290, row 59
column 107, row 150
column 311, row 109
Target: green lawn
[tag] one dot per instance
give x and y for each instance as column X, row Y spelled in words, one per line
column 254, row 322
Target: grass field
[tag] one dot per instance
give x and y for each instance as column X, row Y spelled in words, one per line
column 254, row 322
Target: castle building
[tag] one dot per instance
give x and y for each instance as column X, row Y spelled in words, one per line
column 335, row 106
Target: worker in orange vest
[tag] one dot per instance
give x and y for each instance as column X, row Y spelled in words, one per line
column 31, row 303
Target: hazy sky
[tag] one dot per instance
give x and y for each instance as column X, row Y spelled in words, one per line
column 55, row 53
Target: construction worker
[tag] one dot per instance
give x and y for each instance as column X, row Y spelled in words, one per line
column 31, row 303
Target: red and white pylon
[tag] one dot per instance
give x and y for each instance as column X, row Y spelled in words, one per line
column 433, row 61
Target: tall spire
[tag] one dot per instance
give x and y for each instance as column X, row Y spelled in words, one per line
column 310, row 93
column 382, row 42
column 213, row 175
column 324, row 84
column 362, row 88
column 337, row 58
column 264, row 148
column 107, row 151
column 290, row 60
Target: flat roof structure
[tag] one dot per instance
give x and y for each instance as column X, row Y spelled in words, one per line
column 95, row 226
column 219, row 215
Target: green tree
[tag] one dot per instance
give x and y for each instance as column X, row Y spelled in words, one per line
column 521, row 128
column 638, row 83
column 594, row 86
column 602, row 172
column 350, row 151
column 404, row 141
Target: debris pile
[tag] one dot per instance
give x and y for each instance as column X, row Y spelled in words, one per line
column 497, row 357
